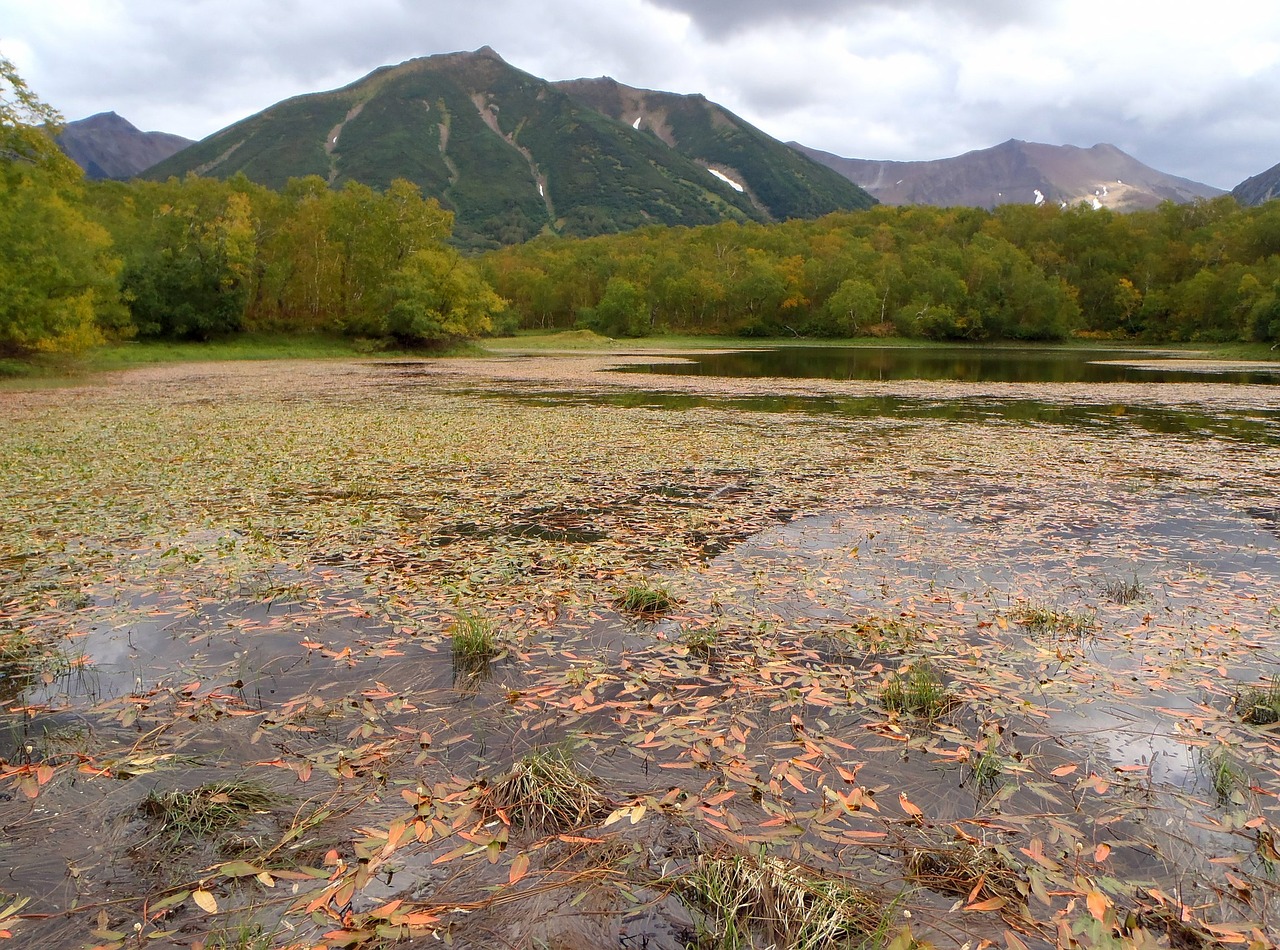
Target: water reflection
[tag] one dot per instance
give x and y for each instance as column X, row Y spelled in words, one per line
column 1256, row 427
column 964, row 364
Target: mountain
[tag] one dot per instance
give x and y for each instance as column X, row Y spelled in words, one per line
column 780, row 182
column 107, row 146
column 510, row 154
column 1258, row 189
column 1018, row 171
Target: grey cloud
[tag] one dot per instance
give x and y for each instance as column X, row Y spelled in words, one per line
column 723, row 18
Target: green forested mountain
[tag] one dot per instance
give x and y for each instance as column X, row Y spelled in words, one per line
column 780, row 182
column 514, row 156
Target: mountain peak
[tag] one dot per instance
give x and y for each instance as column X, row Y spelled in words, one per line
column 107, row 145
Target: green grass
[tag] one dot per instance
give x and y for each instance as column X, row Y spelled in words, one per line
column 701, row 641
column 918, row 691
column 985, row 769
column 1224, row 772
column 16, row 647
column 649, row 600
column 474, row 640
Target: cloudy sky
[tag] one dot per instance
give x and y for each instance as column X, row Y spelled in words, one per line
column 1191, row 88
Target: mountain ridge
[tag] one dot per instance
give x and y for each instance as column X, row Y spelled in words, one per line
column 1016, row 171
column 1258, row 189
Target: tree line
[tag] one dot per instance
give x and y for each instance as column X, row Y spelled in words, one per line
column 1203, row 272
column 82, row 262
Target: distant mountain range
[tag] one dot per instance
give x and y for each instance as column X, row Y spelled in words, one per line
column 514, row 155
column 107, row 146
column 1019, row 172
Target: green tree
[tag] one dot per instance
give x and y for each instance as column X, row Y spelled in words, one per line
column 191, row 280
column 57, row 272
column 439, row 297
column 622, row 311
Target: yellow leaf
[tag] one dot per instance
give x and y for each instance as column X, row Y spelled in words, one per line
column 205, row 901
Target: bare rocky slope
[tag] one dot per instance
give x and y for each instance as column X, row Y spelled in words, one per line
column 1258, row 189
column 1019, row 172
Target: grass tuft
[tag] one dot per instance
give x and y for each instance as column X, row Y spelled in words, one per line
column 1260, row 705
column 1124, row 592
column 985, row 769
column 702, row 642
column 546, row 793
column 745, row 900
column 1047, row 621
column 918, row 691
column 474, row 638
column 971, row 871
column 649, row 600
column 1225, row 774
column 208, row 811
column 16, row 647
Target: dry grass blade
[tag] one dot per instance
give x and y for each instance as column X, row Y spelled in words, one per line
column 546, row 793
column 208, row 810
column 747, row 900
column 966, row 870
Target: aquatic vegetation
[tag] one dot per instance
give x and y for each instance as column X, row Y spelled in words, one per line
column 245, row 610
column 203, row 813
column 1260, row 705
column 546, row 793
column 1047, row 620
column 473, row 638
column 1124, row 591
column 918, row 690
column 646, row 599
column 746, row 900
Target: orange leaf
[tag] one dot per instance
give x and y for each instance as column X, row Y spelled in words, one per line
column 1098, row 905
column 1100, row 854
column 519, row 868
column 908, row 807
column 991, row 903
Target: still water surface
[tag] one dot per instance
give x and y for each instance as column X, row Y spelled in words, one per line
column 968, row 364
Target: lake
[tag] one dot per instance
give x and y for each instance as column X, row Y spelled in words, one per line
column 969, row 364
